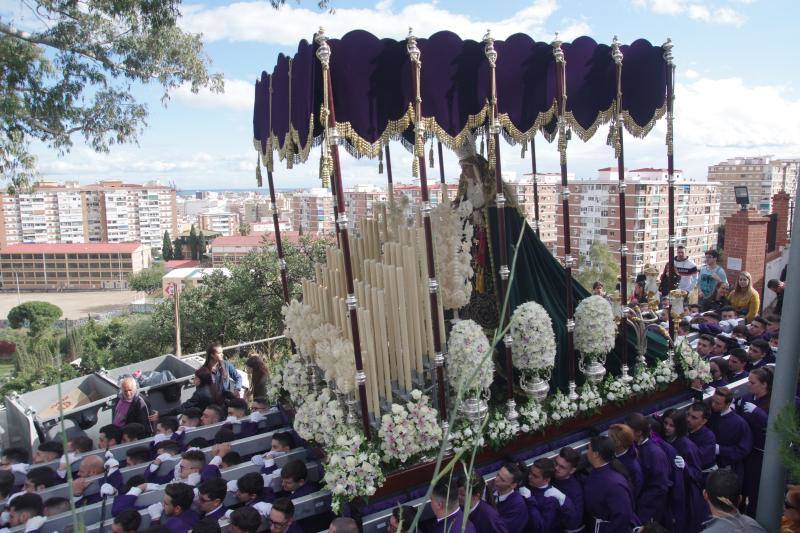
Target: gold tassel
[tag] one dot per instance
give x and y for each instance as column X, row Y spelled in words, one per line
column 259, row 179
column 380, row 160
column 430, row 155
column 415, row 167
column 524, row 149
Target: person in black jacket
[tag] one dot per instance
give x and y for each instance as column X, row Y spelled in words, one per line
column 130, row 406
column 205, row 393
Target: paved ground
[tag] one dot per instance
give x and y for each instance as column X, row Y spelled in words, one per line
column 74, row 304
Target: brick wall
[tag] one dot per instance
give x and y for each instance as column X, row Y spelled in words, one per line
column 745, row 242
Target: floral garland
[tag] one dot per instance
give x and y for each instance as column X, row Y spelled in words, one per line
column 463, row 437
column 534, row 343
column 644, row 380
column 409, row 430
column 693, row 366
column 468, row 350
column 300, row 321
column 499, row 431
column 294, row 379
column 595, row 330
column 533, row 417
column 589, row 399
column 614, row 389
column 320, row 419
column 275, row 382
column 352, row 469
column 561, row 408
column 452, row 238
column 665, row 373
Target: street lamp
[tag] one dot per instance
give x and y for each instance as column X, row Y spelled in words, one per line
column 742, row 196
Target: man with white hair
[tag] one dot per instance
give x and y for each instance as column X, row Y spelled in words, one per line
column 130, row 406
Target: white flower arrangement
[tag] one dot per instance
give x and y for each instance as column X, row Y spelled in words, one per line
column 561, row 407
column 409, row 429
column 665, row 373
column 464, row 437
column 294, row 379
column 352, row 469
column 533, row 417
column 614, row 389
column 693, row 366
column 300, row 320
column 533, row 350
column 320, row 419
column 275, row 381
column 644, row 380
column 589, row 398
column 468, row 349
column 595, row 330
column 452, row 240
column 499, row 431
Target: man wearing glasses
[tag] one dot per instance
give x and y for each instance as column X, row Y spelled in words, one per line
column 281, row 517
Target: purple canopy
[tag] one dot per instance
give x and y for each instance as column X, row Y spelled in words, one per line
column 373, row 93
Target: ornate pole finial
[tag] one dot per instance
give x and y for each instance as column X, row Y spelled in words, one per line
column 324, row 50
column 616, row 53
column 491, row 53
column 411, row 46
column 667, row 47
column 558, row 53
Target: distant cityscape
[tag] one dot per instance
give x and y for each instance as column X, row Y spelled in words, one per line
column 66, row 235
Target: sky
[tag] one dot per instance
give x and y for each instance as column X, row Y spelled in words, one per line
column 737, row 89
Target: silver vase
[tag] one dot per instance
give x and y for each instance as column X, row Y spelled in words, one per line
column 594, row 372
column 534, row 387
column 474, row 409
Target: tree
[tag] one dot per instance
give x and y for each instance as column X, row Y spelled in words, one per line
column 201, row 246
column 599, row 265
column 167, row 252
column 245, row 229
column 38, row 316
column 69, row 68
column 194, row 245
column 147, row 280
column 177, row 249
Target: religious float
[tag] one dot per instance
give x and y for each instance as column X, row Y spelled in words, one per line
column 447, row 329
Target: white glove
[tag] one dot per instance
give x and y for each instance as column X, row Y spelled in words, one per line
column 134, row 491
column 153, row 486
column 216, row 461
column 71, row 456
column 268, row 478
column 232, row 420
column 160, row 437
column 256, row 417
column 35, row 522
column 109, row 455
column 258, row 460
column 111, row 464
column 193, row 479
column 749, row 407
column 233, row 485
column 5, row 530
column 20, row 468
column 5, row 518
column 679, row 462
column 191, row 448
column 716, row 449
column 107, row 489
column 553, row 492
column 263, row 508
column 228, row 514
column 164, row 457
column 155, row 510
column 525, row 492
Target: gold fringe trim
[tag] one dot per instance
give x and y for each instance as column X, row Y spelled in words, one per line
column 518, row 136
column 604, row 117
column 364, row 148
column 641, row 131
column 455, row 142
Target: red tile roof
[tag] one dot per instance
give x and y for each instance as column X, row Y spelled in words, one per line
column 180, row 263
column 255, row 239
column 605, row 169
column 77, row 248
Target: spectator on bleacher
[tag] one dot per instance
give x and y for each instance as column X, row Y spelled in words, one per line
column 760, row 353
column 238, row 414
column 133, row 432
column 83, row 486
column 128, row 521
column 697, row 416
column 704, row 345
column 223, row 373
column 729, row 319
column 345, row 525
column 207, row 525
column 449, row 516
column 723, row 493
column 482, row 515
column 294, row 480
column 205, row 393
column 625, row 451
column 167, row 450
column 130, row 406
column 754, row 408
column 737, row 365
column 137, row 456
column 260, row 405
column 230, row 459
column 190, row 418
column 55, row 505
column 49, row 450
column 211, row 495
column 245, row 520
column 40, row 478
column 756, row 329
column 711, row 275
column 213, row 414
column 15, row 459
column 250, row 491
column 282, row 443
column 719, row 370
column 608, row 501
column 27, row 510
column 718, row 300
column 744, row 298
column 109, row 435
column 734, row 439
column 721, row 345
column 6, row 483
column 258, row 375
column 403, row 517
column 176, row 507
column 656, row 467
column 551, row 503
column 510, row 504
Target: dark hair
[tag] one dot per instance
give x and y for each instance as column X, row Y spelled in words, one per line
column 604, row 447
column 516, row 472
column 723, row 490
column 215, row 488
column 16, row 455
column 546, row 466
column 597, row 284
column 42, row 475
column 224, row 435
column 207, row 525
column 232, row 458
column 740, row 354
column 6, row 483
column 476, row 484
column 773, row 284
column 344, row 524
column 169, row 422
column 82, row 443
column 247, row 519
column 58, row 504
column 217, row 409
column 295, row 470
column 652, row 527
column 762, row 345
column 237, row 403
column 134, row 431
column 726, row 309
column 198, row 442
column 52, row 446
column 712, row 314
column 251, row 483
column 405, row 515
column 761, row 320
column 571, row 455
column 211, row 348
column 259, row 369
column 134, row 481
column 722, row 363
column 193, row 413
column 713, row 253
column 285, row 506
column 285, row 438
column 764, row 375
column 129, row 519
column 195, row 456
column 741, row 330
column 725, row 393
column 701, row 407
column 168, row 446
column 446, row 492
column 638, row 422
column 261, row 400
column 31, row 503
column 708, row 338
column 140, row 453
column 112, row 432
column 203, row 374
column 182, row 495
column 678, row 417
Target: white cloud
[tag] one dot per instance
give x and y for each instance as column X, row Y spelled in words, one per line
column 259, row 22
column 691, row 74
column 238, row 95
column 697, row 10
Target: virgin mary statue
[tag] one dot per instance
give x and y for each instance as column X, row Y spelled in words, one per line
column 536, row 274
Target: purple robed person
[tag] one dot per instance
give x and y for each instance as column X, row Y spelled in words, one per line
column 183, row 523
column 696, row 511
column 513, row 510
column 652, row 500
column 607, row 497
column 571, row 517
column 706, row 443
column 630, row 461
column 485, row 518
column 674, row 515
column 548, row 506
column 216, row 514
column 734, row 438
column 454, row 523
column 757, row 420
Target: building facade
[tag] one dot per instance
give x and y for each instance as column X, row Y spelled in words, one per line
column 109, row 211
column 218, row 221
column 594, row 217
column 763, row 176
column 232, row 249
column 312, row 211
column 547, row 185
column 57, row 267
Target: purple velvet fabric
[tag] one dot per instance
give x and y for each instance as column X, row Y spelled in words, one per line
column 280, row 101
column 644, row 80
column 591, row 79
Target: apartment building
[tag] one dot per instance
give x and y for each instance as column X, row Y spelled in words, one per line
column 232, row 249
column 594, row 216
column 76, row 266
column 108, row 211
column 763, row 176
column 548, row 185
column 312, row 211
column 222, row 222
